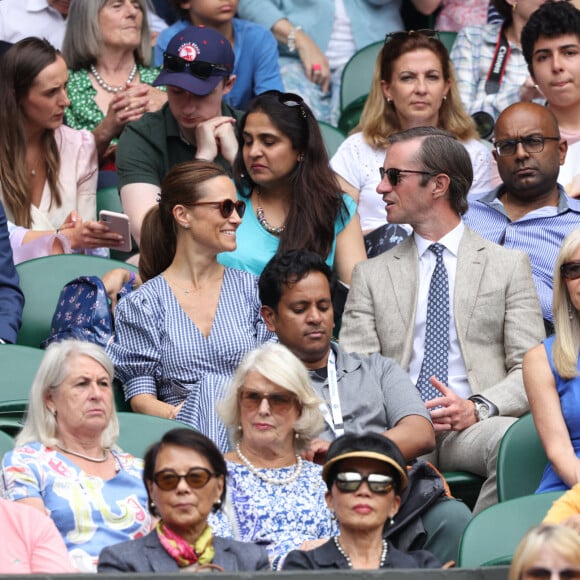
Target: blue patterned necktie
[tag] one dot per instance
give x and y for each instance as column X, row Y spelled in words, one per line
column 436, row 354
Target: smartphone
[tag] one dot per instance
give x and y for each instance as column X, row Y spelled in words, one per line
column 118, row 223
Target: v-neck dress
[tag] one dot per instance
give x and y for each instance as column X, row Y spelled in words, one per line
column 158, row 350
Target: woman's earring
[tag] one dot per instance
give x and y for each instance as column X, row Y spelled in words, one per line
column 392, row 521
column 300, row 157
column 332, row 514
column 570, row 311
column 389, row 101
column 444, row 98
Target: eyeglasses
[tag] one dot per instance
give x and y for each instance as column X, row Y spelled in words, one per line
column 226, row 206
column 428, row 32
column 279, row 403
column 197, row 68
column 196, row 478
column 350, row 481
column 394, row 175
column 289, row 100
column 570, row 270
column 546, row 573
column 531, row 144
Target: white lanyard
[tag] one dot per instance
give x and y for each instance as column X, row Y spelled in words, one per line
column 334, row 420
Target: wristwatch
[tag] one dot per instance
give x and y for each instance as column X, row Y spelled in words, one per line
column 484, row 408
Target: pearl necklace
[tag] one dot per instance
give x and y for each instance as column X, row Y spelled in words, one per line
column 274, row 230
column 267, row 479
column 107, row 86
column 101, row 460
column 384, row 552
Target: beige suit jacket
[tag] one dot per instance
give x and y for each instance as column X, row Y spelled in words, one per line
column 497, row 314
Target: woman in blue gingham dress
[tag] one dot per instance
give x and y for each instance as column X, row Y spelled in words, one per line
column 180, row 336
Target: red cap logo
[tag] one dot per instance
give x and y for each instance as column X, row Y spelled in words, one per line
column 188, row 51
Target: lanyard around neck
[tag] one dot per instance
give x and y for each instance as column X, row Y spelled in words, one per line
column 333, row 416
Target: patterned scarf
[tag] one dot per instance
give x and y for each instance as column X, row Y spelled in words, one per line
column 183, row 553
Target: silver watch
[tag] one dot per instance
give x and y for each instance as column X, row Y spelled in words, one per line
column 484, row 409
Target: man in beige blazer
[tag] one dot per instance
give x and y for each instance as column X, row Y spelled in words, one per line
column 494, row 313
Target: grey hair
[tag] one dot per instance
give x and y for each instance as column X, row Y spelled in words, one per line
column 277, row 364
column 82, row 40
column 41, row 425
column 442, row 152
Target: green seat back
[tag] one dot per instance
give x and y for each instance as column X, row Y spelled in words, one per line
column 464, row 486
column 331, row 136
column 350, row 115
column 447, row 37
column 357, row 75
column 493, row 535
column 42, row 280
column 108, row 198
column 137, row 432
column 521, row 460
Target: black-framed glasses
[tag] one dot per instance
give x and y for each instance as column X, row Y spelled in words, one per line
column 570, row 270
column 197, row 68
column 289, row 100
column 402, row 34
column 394, row 175
column 539, row 573
column 196, row 478
column 280, row 403
column 350, row 481
column 226, row 206
column 531, row 144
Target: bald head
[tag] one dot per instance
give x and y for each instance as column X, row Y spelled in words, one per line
column 528, row 175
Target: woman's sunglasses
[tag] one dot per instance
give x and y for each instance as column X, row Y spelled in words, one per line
column 350, row 481
column 289, row 100
column 570, row 270
column 278, row 402
column 226, row 206
column 196, row 68
column 545, row 573
column 196, row 478
column 428, row 32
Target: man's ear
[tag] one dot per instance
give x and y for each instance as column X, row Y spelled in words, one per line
column 442, row 182
column 229, row 84
column 269, row 316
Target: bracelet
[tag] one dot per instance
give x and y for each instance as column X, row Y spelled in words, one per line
column 291, row 42
column 57, row 232
column 132, row 277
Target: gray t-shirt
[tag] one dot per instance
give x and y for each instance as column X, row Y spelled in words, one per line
column 375, row 393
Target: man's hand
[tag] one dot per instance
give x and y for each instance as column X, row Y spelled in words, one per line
column 317, row 451
column 215, row 136
column 456, row 413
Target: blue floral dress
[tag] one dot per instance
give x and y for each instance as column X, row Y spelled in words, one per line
column 279, row 517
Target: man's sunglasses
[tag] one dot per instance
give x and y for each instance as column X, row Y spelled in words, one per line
column 570, row 270
column 394, row 175
column 196, row 478
column 350, row 481
column 197, row 68
column 278, row 402
column 226, row 206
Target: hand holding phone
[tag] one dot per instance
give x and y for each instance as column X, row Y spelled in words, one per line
column 118, row 223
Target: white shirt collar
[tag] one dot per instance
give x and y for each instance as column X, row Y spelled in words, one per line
column 450, row 240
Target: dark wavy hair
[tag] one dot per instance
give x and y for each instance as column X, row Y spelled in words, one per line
column 19, row 67
column 316, row 195
column 550, row 20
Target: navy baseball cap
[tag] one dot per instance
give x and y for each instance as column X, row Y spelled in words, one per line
column 197, row 58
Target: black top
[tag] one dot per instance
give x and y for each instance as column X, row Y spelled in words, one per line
column 327, row 556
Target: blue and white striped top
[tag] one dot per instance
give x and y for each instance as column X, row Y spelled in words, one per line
column 539, row 233
column 158, row 349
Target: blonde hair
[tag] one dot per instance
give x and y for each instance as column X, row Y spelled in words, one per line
column 41, row 425
column 563, row 541
column 379, row 119
column 566, row 317
column 277, row 364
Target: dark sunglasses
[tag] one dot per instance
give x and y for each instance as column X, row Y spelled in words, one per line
column 197, row 68
column 570, row 270
column 226, row 206
column 289, row 100
column 278, row 402
column 546, row 573
column 428, row 32
column 196, row 478
column 394, row 175
column 350, row 481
